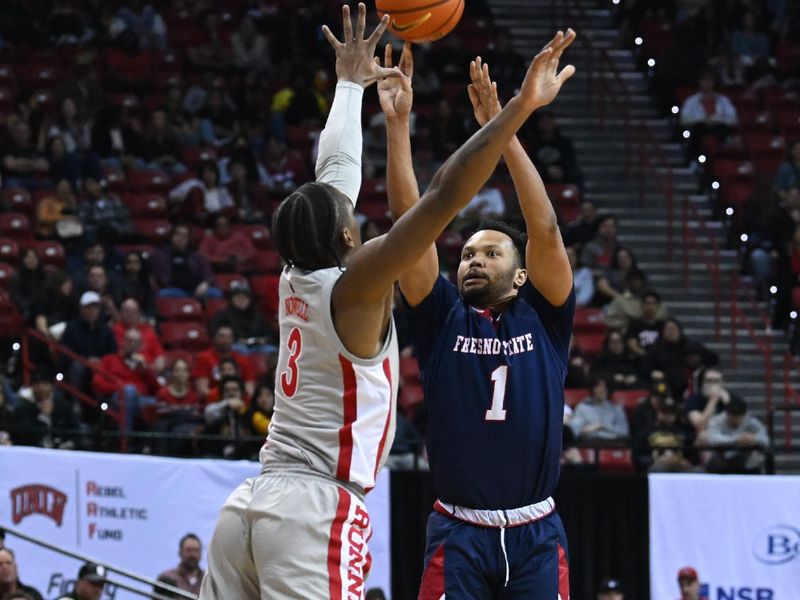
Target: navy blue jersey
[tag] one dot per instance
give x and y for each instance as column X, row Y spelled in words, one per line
column 494, row 388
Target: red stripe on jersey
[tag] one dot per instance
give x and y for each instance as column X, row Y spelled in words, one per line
column 335, row 546
column 350, row 406
column 563, row 574
column 387, row 370
column 432, row 586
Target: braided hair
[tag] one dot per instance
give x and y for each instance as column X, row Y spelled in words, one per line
column 307, row 225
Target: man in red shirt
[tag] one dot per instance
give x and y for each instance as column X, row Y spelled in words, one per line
column 225, row 248
column 126, row 372
column 206, row 364
column 130, row 317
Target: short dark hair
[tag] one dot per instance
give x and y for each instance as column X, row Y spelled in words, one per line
column 651, row 294
column 518, row 238
column 307, row 224
column 227, row 379
column 189, row 536
column 41, row 375
column 736, row 407
column 596, row 378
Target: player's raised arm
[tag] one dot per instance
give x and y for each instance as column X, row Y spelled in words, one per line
column 545, row 255
column 340, row 144
column 396, row 97
column 384, row 260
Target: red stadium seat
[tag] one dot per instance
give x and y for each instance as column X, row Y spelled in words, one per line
column 768, row 162
column 265, row 287
column 590, row 343
column 11, row 322
column 170, row 356
column 629, row 399
column 15, row 225
column 736, row 193
column 258, row 234
column 589, row 320
column 180, row 309
column 51, row 253
column 9, row 251
column 573, row 396
column 146, row 206
column 147, row 181
column 731, row 168
column 19, row 200
column 214, row 305
column 224, row 280
column 155, row 230
column 6, row 273
column 409, row 398
column 755, row 120
column 614, row 460
column 449, row 245
column 114, row 179
column 144, row 249
column 267, row 262
column 194, row 156
column 409, row 369
column 180, row 335
column 759, row 142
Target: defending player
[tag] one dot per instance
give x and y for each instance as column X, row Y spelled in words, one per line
column 493, row 355
column 299, row 529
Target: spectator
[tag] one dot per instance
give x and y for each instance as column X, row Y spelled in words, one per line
column 27, row 282
column 177, row 410
column 98, row 281
column 582, row 279
column 215, row 197
column 584, row 228
column 788, row 175
column 162, row 146
column 181, row 272
column 375, row 594
column 227, row 417
column 129, row 369
column 46, row 420
column 610, row 589
column 299, row 103
column 673, row 356
column 54, row 211
column 88, row 337
column 612, row 283
column 187, row 575
column 598, row 419
column 9, row 578
column 644, row 415
column 644, row 331
column 55, row 305
column 227, row 250
column 23, row 165
column 259, row 414
column 251, row 332
column 249, row 48
column 114, row 137
column 448, row 130
column 281, row 169
column 748, row 46
column 75, row 134
column 707, row 113
column 130, row 317
column 104, row 216
column 553, row 153
column 208, row 52
column 90, row 583
column 488, row 203
column 616, row 363
column 144, row 22
column 206, row 372
column 737, row 428
column 628, row 305
column 136, row 281
column 665, row 446
column 711, row 399
column 689, row 584
column 600, row 251
column 218, row 122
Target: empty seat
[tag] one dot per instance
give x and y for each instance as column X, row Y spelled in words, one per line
column 155, row 230
column 615, row 460
column 6, row 273
column 146, row 206
column 180, row 309
column 180, row 335
column 409, row 369
column 409, row 398
column 590, row 343
column 214, row 305
column 573, row 396
column 267, row 262
column 589, row 320
column 224, row 280
column 18, row 200
column 15, row 225
column 9, row 251
column 629, row 399
column 51, row 253
column 148, row 181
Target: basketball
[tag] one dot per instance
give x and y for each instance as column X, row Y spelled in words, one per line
column 421, row 20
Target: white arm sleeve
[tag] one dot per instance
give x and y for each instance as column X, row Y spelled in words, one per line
column 339, row 157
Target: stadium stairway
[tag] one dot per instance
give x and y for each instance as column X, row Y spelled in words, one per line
column 598, row 131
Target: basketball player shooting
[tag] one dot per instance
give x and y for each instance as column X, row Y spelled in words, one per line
column 300, row 528
column 493, row 355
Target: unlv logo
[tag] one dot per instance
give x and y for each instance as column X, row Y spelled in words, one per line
column 32, row 499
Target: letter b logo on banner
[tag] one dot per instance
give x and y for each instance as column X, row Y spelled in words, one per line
column 777, row 545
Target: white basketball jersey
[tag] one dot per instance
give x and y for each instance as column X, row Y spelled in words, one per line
column 334, row 411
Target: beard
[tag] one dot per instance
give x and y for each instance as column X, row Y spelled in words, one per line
column 491, row 293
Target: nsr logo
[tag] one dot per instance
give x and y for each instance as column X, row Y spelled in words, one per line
column 777, row 545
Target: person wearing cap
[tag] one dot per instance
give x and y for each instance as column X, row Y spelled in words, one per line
column 251, row 332
column 89, row 337
column 90, row 583
column 9, row 577
column 689, row 584
column 47, row 418
column 736, row 427
column 665, row 446
column 610, row 589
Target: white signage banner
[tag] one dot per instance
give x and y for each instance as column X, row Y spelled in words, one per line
column 130, row 511
column 740, row 533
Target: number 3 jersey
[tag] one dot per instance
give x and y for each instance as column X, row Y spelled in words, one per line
column 494, row 393
column 334, row 412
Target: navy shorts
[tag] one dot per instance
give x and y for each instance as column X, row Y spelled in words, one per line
column 470, row 562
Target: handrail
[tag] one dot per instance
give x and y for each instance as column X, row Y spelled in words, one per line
column 56, row 348
column 157, row 585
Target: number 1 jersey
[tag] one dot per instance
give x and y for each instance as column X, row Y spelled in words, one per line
column 494, row 392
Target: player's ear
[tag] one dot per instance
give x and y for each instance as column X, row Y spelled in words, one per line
column 348, row 238
column 520, row 277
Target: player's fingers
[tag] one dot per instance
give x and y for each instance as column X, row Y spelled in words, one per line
column 361, row 21
column 472, row 75
column 487, row 79
column 407, row 60
column 330, row 37
column 381, row 73
column 473, row 96
column 387, row 56
column 565, row 74
column 347, row 25
column 373, row 40
column 565, row 42
column 494, row 92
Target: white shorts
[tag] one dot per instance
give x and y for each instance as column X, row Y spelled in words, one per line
column 288, row 535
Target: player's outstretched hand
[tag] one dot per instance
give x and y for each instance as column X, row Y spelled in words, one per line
column 543, row 81
column 354, row 56
column 395, row 93
column 482, row 92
